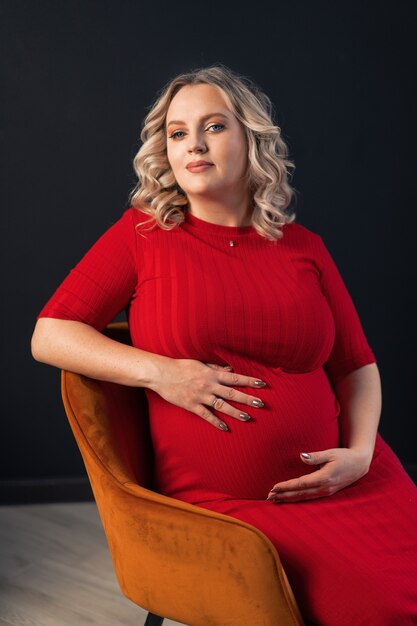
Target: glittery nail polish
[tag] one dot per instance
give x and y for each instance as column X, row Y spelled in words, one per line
column 258, row 403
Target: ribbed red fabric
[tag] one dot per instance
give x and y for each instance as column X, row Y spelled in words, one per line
column 281, row 312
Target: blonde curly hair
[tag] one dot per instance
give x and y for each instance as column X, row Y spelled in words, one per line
column 157, row 192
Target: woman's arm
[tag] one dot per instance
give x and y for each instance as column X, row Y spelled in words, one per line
column 360, row 398
column 80, row 348
column 187, row 383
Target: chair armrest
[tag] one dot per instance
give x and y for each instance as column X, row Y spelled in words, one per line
column 180, row 557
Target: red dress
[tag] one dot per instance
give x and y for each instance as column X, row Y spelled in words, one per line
column 278, row 311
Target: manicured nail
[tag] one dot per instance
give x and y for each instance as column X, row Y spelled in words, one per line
column 258, row 403
column 305, row 456
column 223, row 426
column 260, row 383
column 245, row 416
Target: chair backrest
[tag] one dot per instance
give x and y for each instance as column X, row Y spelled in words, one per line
column 101, row 412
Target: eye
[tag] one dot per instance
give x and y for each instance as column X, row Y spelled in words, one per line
column 174, row 135
column 221, row 125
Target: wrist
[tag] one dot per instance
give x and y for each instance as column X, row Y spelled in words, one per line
column 154, row 370
column 364, row 453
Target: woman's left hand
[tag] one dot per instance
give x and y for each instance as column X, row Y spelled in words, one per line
column 338, row 468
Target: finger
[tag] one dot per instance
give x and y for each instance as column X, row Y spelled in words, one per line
column 202, row 411
column 232, row 394
column 309, row 481
column 325, row 488
column 316, row 458
column 299, row 496
column 219, row 404
column 223, row 395
column 219, row 367
column 231, row 378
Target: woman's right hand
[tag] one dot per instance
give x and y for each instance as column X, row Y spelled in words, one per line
column 194, row 386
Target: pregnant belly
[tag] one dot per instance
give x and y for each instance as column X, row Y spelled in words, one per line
column 197, row 462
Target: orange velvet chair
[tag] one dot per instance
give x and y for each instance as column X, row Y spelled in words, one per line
column 173, row 559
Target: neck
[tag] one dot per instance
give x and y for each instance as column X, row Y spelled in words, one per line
column 235, row 212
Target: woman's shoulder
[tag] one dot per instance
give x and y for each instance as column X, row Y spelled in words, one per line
column 299, row 232
column 135, row 215
column 135, row 220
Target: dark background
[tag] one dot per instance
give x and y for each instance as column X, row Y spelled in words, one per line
column 78, row 77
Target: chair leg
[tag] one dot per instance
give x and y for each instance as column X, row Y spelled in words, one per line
column 153, row 620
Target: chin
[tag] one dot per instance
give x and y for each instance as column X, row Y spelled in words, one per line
column 199, row 189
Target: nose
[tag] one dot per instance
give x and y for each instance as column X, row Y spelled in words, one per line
column 197, row 143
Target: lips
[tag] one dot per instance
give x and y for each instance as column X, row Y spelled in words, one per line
column 198, row 165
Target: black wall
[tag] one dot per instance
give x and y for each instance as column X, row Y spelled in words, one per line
column 78, row 77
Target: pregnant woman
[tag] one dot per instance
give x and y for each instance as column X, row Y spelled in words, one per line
column 264, row 394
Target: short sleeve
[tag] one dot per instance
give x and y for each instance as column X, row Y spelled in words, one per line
column 103, row 281
column 350, row 348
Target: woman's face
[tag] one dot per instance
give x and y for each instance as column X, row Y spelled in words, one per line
column 205, row 129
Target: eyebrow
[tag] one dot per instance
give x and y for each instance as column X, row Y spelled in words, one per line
column 205, row 117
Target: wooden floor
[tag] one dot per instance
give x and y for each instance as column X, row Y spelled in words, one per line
column 56, row 570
